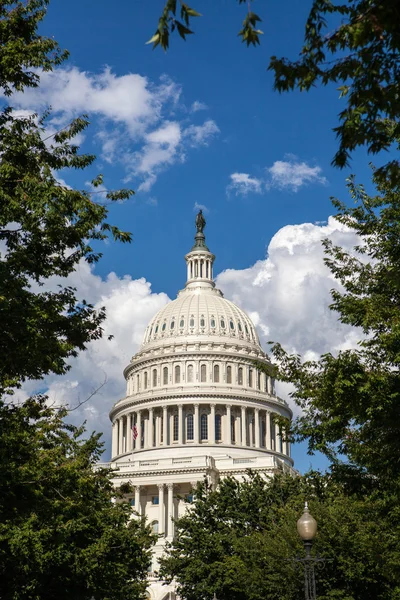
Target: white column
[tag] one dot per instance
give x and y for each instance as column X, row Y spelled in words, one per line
column 257, row 427
column 212, row 425
column 277, row 438
column 129, row 433
column 268, row 430
column 180, row 423
column 170, row 487
column 228, row 437
column 114, row 450
column 244, row 438
column 165, row 426
column 138, row 508
column 161, row 508
column 120, row 435
column 151, row 428
column 196, row 424
column 139, row 430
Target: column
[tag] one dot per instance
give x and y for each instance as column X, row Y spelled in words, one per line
column 138, row 508
column 268, row 430
column 165, row 425
column 120, row 435
column 161, row 508
column 180, row 423
column 114, row 450
column 228, row 436
column 243, row 420
column 129, row 433
column 170, row 487
column 212, row 425
column 277, row 438
column 196, row 424
column 139, row 430
column 257, row 427
column 151, row 428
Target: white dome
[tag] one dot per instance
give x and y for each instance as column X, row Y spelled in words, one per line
column 201, row 312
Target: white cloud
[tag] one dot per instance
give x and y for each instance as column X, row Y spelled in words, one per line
column 201, row 135
column 290, row 174
column 137, row 121
column 197, row 105
column 242, row 184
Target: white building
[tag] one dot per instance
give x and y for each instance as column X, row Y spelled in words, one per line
column 196, row 401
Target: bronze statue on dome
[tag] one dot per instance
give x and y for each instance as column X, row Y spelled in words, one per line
column 200, row 222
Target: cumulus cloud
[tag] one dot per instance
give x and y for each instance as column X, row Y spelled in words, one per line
column 197, row 105
column 289, row 174
column 136, row 122
column 242, row 184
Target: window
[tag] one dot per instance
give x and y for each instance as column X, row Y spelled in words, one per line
column 228, row 374
column 165, row 375
column 162, row 429
column 154, row 527
column 176, row 428
column 240, row 376
column 154, row 377
column 190, row 374
column 145, row 381
column 191, row 323
column 240, row 326
column 218, row 428
column 202, row 322
column 137, row 383
column 156, row 331
column 233, row 429
column 164, row 325
column 189, row 498
column 246, row 329
column 177, row 374
column 263, row 431
column 182, row 323
column 212, row 323
column 258, row 380
column 204, row 427
column 189, row 427
column 222, row 323
column 266, row 383
column 151, row 331
column 172, row 324
column 203, row 373
column 231, row 324
column 216, row 373
column 155, row 500
column 132, row 501
column 250, row 377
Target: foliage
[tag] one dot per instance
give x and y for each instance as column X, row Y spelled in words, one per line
column 351, row 401
column 46, row 227
column 62, row 535
column 168, row 22
column 239, row 541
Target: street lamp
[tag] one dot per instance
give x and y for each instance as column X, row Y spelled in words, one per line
column 307, row 529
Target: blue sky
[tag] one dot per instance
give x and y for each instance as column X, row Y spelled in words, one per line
column 200, row 125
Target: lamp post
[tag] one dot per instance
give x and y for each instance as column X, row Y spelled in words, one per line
column 307, row 529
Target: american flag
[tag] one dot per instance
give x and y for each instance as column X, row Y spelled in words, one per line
column 135, row 432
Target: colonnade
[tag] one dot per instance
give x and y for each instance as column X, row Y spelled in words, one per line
column 167, row 507
column 200, row 267
column 198, row 423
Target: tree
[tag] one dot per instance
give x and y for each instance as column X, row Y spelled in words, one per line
column 350, row 401
column 64, row 533
column 46, row 227
column 239, row 541
column 354, row 44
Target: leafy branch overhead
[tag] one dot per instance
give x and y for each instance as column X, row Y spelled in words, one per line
column 168, row 23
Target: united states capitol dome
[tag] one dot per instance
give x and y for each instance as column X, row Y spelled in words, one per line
column 200, row 310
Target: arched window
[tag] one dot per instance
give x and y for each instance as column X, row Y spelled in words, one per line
column 163, row 326
column 154, row 527
column 222, row 324
column 189, row 428
column 191, row 323
column 218, row 429
column 176, row 428
column 202, row 322
column 263, row 431
column 145, row 381
column 165, row 375
column 177, row 374
column 231, row 324
column 182, row 323
column 190, row 374
column 233, row 437
column 250, row 377
column 229, row 374
column 216, row 373
column 204, row 427
column 156, row 331
column 240, row 326
column 137, row 383
column 212, row 323
column 172, row 324
column 258, row 380
column 240, row 376
column 154, row 377
column 203, row 373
